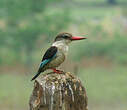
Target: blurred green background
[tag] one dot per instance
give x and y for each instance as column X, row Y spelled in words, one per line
column 27, row 29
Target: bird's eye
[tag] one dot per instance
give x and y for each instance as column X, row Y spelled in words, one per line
column 65, row 36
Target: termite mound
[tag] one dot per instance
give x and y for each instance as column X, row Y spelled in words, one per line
column 54, row 91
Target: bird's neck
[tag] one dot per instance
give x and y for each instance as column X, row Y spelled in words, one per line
column 61, row 45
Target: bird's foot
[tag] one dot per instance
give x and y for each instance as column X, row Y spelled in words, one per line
column 57, row 71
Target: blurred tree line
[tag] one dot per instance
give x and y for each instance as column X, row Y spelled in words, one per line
column 112, row 1
column 26, row 26
column 25, row 23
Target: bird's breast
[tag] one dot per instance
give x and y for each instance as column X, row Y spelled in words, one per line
column 60, row 57
column 62, row 46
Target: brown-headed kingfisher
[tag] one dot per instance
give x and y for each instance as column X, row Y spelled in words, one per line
column 57, row 53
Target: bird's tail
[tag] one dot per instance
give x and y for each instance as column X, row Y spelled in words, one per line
column 38, row 73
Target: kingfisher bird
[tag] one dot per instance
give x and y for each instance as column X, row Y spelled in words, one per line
column 57, row 53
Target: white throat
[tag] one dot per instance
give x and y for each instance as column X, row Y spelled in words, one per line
column 61, row 45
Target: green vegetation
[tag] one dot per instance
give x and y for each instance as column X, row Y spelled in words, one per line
column 28, row 27
column 106, row 88
column 106, row 85
column 23, row 32
column 15, row 91
column 23, row 27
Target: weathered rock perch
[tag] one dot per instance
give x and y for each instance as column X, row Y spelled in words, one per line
column 58, row 92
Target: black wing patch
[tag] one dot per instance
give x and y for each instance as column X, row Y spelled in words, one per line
column 50, row 53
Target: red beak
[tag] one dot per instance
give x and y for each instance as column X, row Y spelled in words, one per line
column 78, row 38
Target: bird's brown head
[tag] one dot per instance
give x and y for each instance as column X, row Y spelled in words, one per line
column 67, row 37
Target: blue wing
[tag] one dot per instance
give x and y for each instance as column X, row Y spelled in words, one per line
column 48, row 56
column 44, row 63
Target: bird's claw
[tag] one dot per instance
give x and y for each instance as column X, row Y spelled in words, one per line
column 57, row 71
